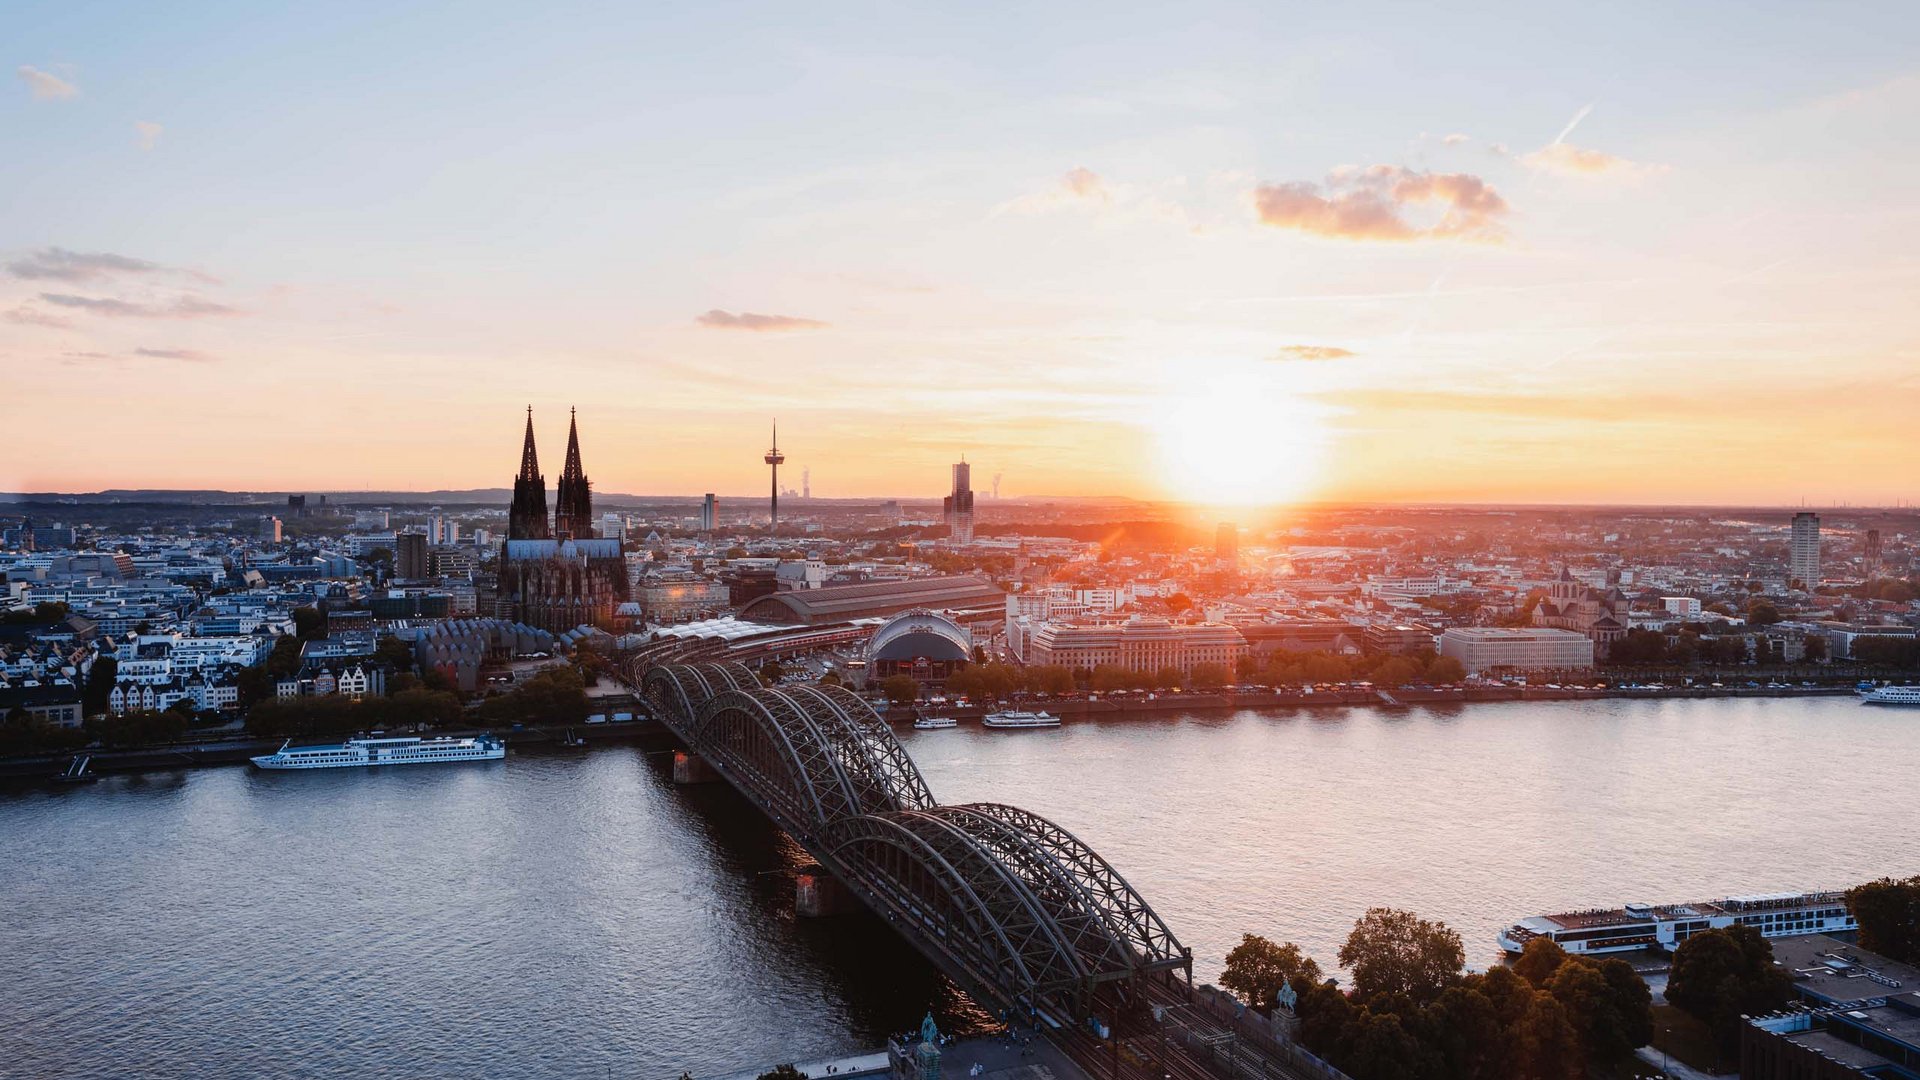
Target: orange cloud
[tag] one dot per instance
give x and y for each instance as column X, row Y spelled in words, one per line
column 1570, row 160
column 45, row 85
column 147, row 133
column 747, row 320
column 27, row 316
column 1079, row 186
column 1371, row 204
column 1311, row 352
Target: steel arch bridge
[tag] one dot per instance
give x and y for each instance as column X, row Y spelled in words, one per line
column 1011, row 906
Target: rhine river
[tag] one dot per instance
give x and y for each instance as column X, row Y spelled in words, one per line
column 578, row 916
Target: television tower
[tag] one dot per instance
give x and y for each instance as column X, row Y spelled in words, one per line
column 806, row 482
column 774, row 459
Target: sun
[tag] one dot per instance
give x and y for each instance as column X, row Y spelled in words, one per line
column 1239, row 439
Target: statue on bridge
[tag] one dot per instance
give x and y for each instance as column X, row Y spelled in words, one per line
column 926, row 1056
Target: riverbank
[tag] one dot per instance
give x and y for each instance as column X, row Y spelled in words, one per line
column 1127, row 704
column 237, row 751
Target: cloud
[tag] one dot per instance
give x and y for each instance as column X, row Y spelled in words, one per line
column 1311, row 352
column 190, row 355
column 27, row 316
column 1079, row 186
column 1454, row 139
column 1371, row 203
column 747, row 320
column 185, row 307
column 44, row 85
column 75, row 359
column 147, row 133
column 1570, row 160
column 59, row 264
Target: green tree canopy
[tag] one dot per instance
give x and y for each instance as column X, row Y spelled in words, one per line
column 1720, row 975
column 1889, row 914
column 1257, row 967
column 1397, row 952
column 900, row 689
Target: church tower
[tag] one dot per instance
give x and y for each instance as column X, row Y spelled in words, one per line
column 573, row 511
column 527, row 520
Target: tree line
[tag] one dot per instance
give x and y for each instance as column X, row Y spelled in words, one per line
column 1413, row 1013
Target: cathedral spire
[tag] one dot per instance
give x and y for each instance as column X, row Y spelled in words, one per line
column 529, row 457
column 573, row 511
column 527, row 519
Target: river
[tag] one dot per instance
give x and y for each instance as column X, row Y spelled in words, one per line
column 577, row 915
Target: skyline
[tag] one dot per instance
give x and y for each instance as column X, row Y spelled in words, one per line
column 1546, row 263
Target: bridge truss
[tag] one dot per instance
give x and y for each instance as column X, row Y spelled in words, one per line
column 1014, row 908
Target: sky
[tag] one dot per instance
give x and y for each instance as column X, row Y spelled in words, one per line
column 1227, row 254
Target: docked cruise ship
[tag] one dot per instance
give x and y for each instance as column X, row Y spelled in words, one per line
column 1021, row 719
column 394, row 751
column 1892, row 695
column 1646, row 926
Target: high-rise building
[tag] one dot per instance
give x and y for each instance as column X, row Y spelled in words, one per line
column 774, row 458
column 270, row 529
column 527, row 517
column 410, row 555
column 709, row 513
column 1870, row 553
column 959, row 505
column 612, row 526
column 1226, row 546
column 1803, row 561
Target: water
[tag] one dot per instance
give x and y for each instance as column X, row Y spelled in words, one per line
column 579, row 916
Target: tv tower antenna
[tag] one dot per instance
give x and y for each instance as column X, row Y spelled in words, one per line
column 774, row 459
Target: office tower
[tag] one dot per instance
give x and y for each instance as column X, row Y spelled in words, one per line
column 709, row 513
column 1803, row 563
column 410, row 555
column 270, row 529
column 1871, row 553
column 959, row 505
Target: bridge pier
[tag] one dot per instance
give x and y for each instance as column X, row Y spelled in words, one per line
column 817, row 894
column 690, row 769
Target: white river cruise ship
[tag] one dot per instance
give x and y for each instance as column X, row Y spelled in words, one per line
column 1645, row 926
column 394, row 751
column 1892, row 695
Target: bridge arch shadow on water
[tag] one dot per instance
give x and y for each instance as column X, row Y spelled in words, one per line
column 1015, row 909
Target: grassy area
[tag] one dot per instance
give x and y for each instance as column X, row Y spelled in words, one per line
column 1687, row 1040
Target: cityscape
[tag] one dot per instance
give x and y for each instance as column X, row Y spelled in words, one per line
column 1130, row 615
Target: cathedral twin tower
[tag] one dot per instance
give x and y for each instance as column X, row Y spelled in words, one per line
column 573, row 516
column 557, row 575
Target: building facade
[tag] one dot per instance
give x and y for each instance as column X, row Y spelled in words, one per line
column 1487, row 648
column 1141, row 643
column 959, row 505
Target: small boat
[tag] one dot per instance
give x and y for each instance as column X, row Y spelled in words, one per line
column 934, row 723
column 1021, row 719
column 78, row 771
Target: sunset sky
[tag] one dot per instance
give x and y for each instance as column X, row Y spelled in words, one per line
column 1549, row 252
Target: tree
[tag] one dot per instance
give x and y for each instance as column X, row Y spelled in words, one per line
column 1397, row 952
column 394, row 653
column 1050, row 679
column 1539, row 960
column 1209, row 676
column 1396, row 671
column 1816, row 649
column 554, row 696
column 1609, row 1019
column 1257, row 967
column 1720, row 975
column 100, row 679
column 783, row 1072
column 1167, row 678
column 772, row 672
column 309, row 622
column 832, row 678
column 1379, row 1047
column 1464, row 1027
column 900, row 689
column 1889, row 914
column 1762, row 613
column 1445, row 669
